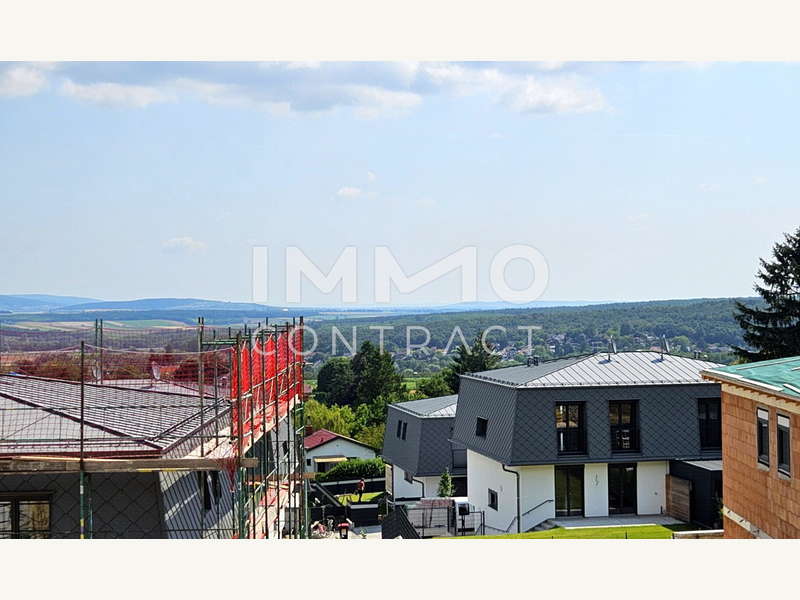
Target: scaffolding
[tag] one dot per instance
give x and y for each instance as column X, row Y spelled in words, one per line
column 178, row 432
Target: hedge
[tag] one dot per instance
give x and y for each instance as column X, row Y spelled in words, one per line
column 356, row 468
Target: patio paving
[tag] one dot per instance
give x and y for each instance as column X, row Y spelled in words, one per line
column 614, row 521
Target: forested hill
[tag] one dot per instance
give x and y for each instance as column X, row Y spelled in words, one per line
column 692, row 325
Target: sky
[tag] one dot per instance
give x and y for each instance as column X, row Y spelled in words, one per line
column 635, row 181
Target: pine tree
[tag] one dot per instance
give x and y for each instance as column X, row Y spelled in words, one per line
column 478, row 357
column 774, row 331
column 446, row 488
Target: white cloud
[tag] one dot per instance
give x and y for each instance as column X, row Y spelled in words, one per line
column 371, row 176
column 709, row 187
column 183, row 244
column 115, row 94
column 21, row 80
column 561, row 96
column 760, row 180
column 369, row 89
column 349, row 192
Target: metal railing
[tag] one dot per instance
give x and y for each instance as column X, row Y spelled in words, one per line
column 514, row 520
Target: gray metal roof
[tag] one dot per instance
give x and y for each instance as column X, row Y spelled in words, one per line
column 622, row 368
column 44, row 415
column 427, row 408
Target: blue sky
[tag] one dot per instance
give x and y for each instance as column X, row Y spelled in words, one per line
column 635, row 181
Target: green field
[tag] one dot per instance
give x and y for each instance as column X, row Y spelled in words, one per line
column 633, row 532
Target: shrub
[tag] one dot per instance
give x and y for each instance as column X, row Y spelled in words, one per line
column 354, row 469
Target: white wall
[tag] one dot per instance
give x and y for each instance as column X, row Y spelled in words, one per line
column 404, row 489
column 651, row 487
column 595, row 489
column 337, row 447
column 536, row 483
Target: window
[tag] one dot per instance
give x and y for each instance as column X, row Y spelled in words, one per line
column 25, row 516
column 762, row 434
column 624, row 421
column 481, row 425
column 492, row 499
column 399, row 428
column 571, row 428
column 405, row 426
column 308, row 462
column 285, row 446
column 710, row 423
column 210, row 490
column 784, row 446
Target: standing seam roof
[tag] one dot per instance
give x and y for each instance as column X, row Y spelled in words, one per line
column 623, row 368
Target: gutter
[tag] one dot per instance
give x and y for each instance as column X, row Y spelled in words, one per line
column 516, row 474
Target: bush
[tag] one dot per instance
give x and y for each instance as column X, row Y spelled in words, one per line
column 354, row 469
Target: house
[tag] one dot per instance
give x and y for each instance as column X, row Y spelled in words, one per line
column 591, row 435
column 325, row 449
column 760, row 447
column 417, row 448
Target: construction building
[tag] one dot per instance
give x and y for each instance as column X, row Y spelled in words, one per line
column 117, row 435
column 760, row 448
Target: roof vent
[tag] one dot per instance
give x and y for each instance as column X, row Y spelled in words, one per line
column 664, row 346
column 612, row 347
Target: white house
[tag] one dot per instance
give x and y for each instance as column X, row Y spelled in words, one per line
column 325, row 449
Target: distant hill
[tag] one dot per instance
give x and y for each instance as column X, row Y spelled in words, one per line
column 167, row 304
column 38, row 302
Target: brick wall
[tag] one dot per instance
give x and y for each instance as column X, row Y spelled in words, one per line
column 766, row 499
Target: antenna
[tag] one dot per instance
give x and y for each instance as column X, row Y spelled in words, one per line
column 664, row 346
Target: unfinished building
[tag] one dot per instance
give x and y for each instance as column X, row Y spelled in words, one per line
column 120, row 436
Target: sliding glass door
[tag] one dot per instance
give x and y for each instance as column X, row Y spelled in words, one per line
column 569, row 491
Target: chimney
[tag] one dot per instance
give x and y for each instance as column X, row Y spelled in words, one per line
column 308, row 431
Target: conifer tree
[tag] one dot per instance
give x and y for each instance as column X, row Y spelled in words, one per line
column 773, row 331
column 446, row 488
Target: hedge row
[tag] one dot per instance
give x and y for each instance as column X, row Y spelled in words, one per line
column 354, row 469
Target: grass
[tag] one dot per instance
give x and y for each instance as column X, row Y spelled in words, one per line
column 366, row 497
column 635, row 532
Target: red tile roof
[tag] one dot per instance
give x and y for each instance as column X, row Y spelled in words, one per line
column 319, row 437
column 323, row 436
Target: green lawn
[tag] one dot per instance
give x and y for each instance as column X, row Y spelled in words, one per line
column 348, row 498
column 635, row 532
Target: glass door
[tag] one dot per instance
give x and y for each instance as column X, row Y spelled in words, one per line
column 622, row 489
column 569, row 491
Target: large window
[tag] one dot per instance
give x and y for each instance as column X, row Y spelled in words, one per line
column 784, row 446
column 624, row 422
column 571, row 428
column 25, row 516
column 762, row 434
column 710, row 423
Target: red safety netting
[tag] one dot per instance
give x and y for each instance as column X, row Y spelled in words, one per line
column 266, row 377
